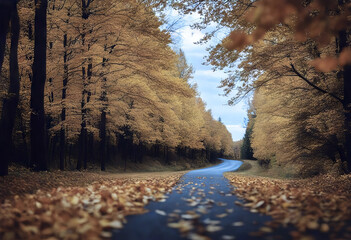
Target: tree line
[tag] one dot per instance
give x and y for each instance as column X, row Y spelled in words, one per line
column 94, row 81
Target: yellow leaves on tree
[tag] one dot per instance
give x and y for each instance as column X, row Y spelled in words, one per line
column 237, row 40
column 320, row 20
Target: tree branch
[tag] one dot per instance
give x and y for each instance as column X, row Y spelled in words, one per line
column 315, row 86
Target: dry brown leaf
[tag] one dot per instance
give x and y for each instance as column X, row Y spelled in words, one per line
column 238, row 224
column 213, row 228
column 88, row 212
column 319, row 203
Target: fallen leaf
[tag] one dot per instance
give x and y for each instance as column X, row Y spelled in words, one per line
column 213, row 228
column 228, row 237
column 223, row 215
column 238, row 224
column 160, row 212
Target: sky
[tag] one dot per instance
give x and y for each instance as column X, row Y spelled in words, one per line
column 233, row 117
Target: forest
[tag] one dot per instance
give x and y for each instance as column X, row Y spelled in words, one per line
column 292, row 59
column 115, row 90
column 96, row 81
column 88, row 85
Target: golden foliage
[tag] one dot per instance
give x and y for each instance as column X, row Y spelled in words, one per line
column 117, row 51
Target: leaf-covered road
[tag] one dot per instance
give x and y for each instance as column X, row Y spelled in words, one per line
column 201, row 206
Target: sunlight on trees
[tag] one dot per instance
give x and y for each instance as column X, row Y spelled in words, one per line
column 295, row 55
column 114, row 89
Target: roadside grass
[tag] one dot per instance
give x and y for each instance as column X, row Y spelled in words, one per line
column 252, row 168
column 150, row 164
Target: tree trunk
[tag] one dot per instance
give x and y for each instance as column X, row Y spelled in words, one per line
column 83, row 132
column 63, row 111
column 24, row 139
column 82, row 146
column 37, row 118
column 83, row 140
column 51, row 148
column 125, row 164
column 62, row 149
column 347, row 109
column 5, row 15
column 83, row 156
column 10, row 102
column 70, row 154
column 103, row 140
column 103, row 99
column 345, row 76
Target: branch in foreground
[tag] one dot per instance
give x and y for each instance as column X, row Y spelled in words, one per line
column 315, row 86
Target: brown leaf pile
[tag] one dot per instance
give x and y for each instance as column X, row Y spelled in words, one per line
column 317, row 204
column 21, row 181
column 80, row 212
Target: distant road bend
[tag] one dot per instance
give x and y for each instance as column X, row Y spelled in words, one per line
column 201, row 206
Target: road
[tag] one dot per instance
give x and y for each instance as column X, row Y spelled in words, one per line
column 201, row 206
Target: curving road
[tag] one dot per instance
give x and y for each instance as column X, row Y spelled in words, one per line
column 201, row 206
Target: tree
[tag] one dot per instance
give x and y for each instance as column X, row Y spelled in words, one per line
column 186, row 71
column 5, row 13
column 246, row 151
column 237, row 149
column 115, row 88
column 37, row 122
column 253, row 22
column 10, row 102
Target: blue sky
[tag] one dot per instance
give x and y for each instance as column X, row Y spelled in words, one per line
column 208, row 80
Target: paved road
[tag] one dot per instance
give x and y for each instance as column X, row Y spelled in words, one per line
column 201, row 205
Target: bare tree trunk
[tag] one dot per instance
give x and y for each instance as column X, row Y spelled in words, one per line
column 70, row 154
column 347, row 114
column 83, row 137
column 345, row 76
column 10, row 102
column 103, row 139
column 103, row 98
column 37, row 123
column 24, row 139
column 83, row 152
column 5, row 15
column 63, row 111
column 82, row 146
column 347, row 109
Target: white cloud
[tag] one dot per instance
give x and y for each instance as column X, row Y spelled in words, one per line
column 189, row 37
column 207, row 80
column 209, row 73
column 237, row 131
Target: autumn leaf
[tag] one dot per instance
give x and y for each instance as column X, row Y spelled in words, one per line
column 319, row 203
column 91, row 211
column 236, row 40
column 325, row 64
column 345, row 57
